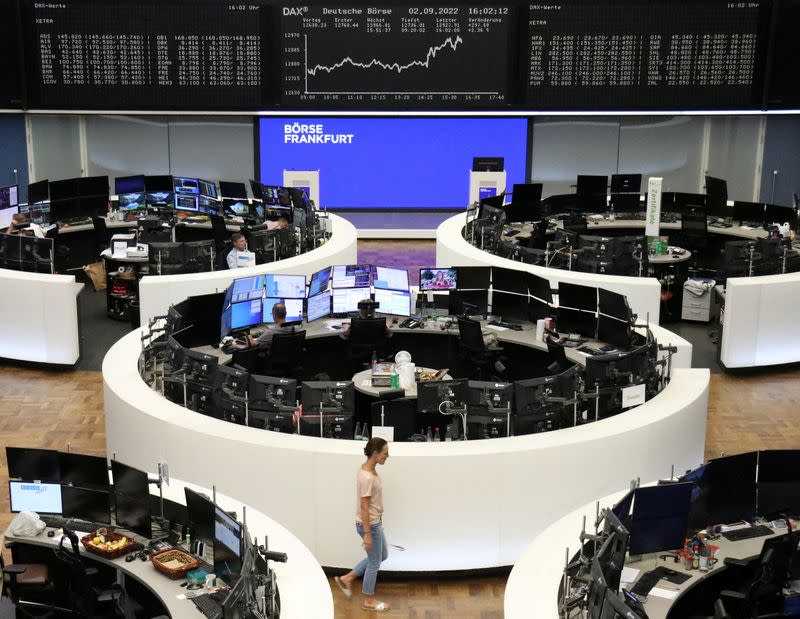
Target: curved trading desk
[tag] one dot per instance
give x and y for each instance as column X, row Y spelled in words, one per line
column 303, row 587
column 452, row 506
column 40, row 312
column 157, row 293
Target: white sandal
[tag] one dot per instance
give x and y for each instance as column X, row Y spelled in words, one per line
column 348, row 592
column 380, row 607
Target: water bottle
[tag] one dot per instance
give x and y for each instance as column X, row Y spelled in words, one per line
column 437, row 437
column 428, row 437
column 448, row 436
column 374, row 362
column 365, row 432
column 357, row 434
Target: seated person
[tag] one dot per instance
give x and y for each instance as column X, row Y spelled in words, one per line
column 366, row 310
column 280, row 224
column 265, row 338
column 239, row 256
column 20, row 225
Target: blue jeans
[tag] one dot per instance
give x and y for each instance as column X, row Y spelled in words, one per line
column 368, row 568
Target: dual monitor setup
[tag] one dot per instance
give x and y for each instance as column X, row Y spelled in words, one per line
column 74, row 487
column 26, row 253
column 660, row 518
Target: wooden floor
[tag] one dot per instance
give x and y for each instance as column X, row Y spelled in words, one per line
column 55, row 408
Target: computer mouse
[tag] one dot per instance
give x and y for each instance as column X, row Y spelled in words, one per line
column 130, row 557
column 51, row 533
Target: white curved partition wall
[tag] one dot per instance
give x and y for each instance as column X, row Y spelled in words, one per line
column 40, row 315
column 452, row 506
column 643, row 293
column 156, row 294
column 759, row 321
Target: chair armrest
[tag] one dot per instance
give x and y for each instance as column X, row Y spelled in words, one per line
column 14, row 569
column 91, row 571
column 732, row 562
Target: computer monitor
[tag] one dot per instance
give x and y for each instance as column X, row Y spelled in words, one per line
column 88, row 186
column 622, row 508
column 483, row 395
column 575, row 296
column 774, row 213
column 613, row 304
column 510, row 307
column 494, row 214
column 539, row 403
column 393, row 302
column 247, row 288
column 779, row 482
column 318, row 306
column 615, row 332
column 660, row 518
column 227, row 547
column 351, row 276
column 431, row 278
column 431, row 395
column 319, row 282
column 133, row 514
column 9, row 196
column 748, row 211
column 345, row 301
column 186, row 202
column 199, row 516
column 183, row 185
column 387, row 278
column 239, row 207
column 158, row 184
column 64, row 189
column 468, row 302
column 717, row 197
column 86, row 504
column 198, row 256
column 294, row 309
column 42, row 498
column 591, row 192
column 273, row 403
column 509, row 280
column 207, row 188
column 597, row 590
column 228, row 189
column 36, row 254
column 165, row 258
column 472, row 278
column 245, row 314
column 200, row 366
column 539, row 288
column 207, row 206
column 39, row 192
column 626, row 183
column 526, row 202
column 160, row 199
column 132, row 201
column 286, row 286
column 487, row 164
column 83, row 471
column 614, row 607
column 129, row 184
column 129, row 481
column 329, row 404
column 29, row 464
column 628, row 203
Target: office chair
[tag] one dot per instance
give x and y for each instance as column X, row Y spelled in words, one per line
column 367, row 335
column 558, row 356
column 247, row 359
column 761, row 596
column 285, row 355
column 694, row 230
column 399, row 413
column 102, row 237
column 474, row 350
column 219, row 232
column 575, row 223
column 28, row 587
column 538, row 238
column 222, row 259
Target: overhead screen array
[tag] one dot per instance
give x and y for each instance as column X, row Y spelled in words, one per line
column 570, row 55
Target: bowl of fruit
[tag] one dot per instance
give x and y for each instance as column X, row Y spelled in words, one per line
column 108, row 544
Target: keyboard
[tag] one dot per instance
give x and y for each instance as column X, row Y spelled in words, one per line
column 747, row 533
column 647, row 581
column 208, row 606
column 57, row 522
column 505, row 325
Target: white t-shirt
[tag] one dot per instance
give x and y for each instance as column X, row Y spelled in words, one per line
column 369, row 485
column 237, row 259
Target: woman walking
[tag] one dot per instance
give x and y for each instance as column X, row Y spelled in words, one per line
column 369, row 512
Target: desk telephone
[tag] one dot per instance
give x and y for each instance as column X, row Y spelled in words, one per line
column 411, row 323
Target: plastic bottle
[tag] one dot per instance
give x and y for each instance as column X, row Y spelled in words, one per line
column 437, row 438
column 428, row 436
column 374, row 362
column 365, row 432
column 357, row 433
column 448, row 436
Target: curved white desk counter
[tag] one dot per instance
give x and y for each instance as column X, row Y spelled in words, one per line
column 643, row 293
column 453, row 506
column 157, row 293
column 303, row 587
column 532, row 587
column 40, row 314
column 759, row 321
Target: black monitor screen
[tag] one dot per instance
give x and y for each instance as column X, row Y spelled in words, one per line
column 525, row 203
column 717, row 197
column 93, row 186
column 622, row 508
column 83, row 471
column 487, row 164
column 430, row 395
column 748, row 211
column 86, row 504
column 232, row 190
column 779, row 482
column 731, row 483
column 576, row 321
column 614, row 332
column 575, row 296
column 509, row 280
column 660, row 518
column 39, row 192
column 133, row 514
column 472, row 278
column 227, row 547
column 200, row 515
column 129, row 481
column 461, row 300
column 64, row 189
column 774, row 213
column 510, row 307
column 129, row 184
column 158, row 184
column 591, row 193
column 33, row 464
column 319, row 282
column 626, row 183
column 613, row 304
column 539, row 288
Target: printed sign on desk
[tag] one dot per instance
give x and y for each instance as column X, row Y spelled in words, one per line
column 633, row 396
column 384, row 432
column 487, row 192
column 653, row 225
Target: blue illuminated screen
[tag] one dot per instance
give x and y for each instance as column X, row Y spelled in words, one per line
column 391, row 162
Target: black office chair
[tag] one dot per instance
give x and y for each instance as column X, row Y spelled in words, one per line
column 102, row 236
column 246, row 358
column 222, row 259
column 367, row 335
column 474, row 351
column 219, row 232
column 575, row 223
column 538, row 238
column 285, row 355
column 694, row 230
column 558, row 357
column 28, row 587
column 399, row 413
column 761, row 597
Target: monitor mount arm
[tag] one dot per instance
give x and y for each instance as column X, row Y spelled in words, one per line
column 499, row 410
column 451, row 409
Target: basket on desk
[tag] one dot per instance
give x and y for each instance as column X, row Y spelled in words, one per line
column 86, row 540
column 164, row 562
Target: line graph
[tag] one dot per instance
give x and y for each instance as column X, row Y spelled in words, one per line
column 394, row 66
column 401, row 55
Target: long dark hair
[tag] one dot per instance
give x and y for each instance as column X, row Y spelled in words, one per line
column 374, row 445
